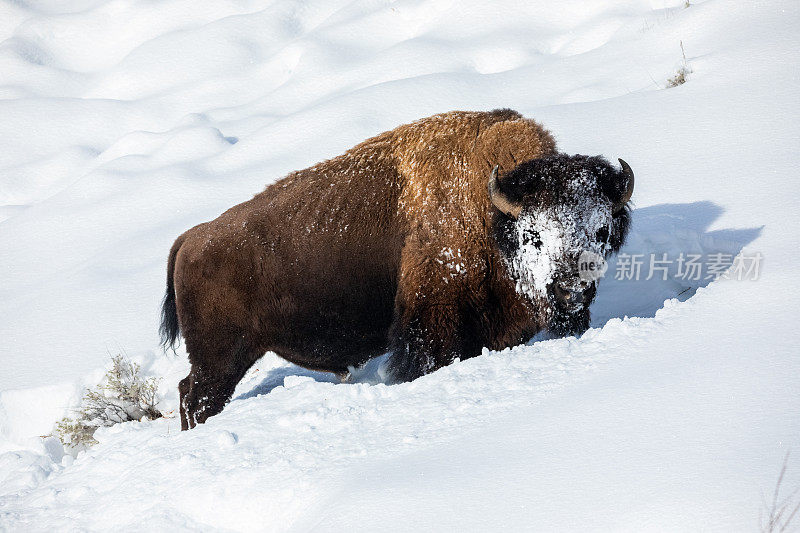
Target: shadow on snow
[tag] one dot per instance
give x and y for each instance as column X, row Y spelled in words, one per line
column 674, row 230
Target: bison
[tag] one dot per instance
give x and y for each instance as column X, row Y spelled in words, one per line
column 430, row 241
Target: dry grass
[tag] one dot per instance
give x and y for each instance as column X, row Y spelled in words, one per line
column 682, row 74
column 780, row 512
column 679, row 78
column 122, row 396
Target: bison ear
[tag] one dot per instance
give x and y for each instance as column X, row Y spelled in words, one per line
column 499, row 199
column 627, row 173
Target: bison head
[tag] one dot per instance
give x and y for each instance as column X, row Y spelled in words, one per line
column 554, row 214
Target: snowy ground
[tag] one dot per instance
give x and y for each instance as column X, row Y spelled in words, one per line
column 123, row 123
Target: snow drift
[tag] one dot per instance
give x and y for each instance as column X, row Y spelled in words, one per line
column 125, row 123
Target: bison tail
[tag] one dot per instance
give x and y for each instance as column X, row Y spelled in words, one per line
column 170, row 329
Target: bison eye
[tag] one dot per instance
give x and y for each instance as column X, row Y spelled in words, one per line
column 602, row 234
column 531, row 237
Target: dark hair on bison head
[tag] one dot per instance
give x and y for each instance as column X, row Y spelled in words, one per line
column 551, row 212
column 561, row 179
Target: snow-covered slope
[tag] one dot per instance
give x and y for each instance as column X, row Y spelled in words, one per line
column 124, row 123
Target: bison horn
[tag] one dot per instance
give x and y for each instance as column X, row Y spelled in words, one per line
column 499, row 199
column 628, row 173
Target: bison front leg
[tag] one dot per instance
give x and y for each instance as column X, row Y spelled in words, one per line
column 433, row 321
column 426, row 338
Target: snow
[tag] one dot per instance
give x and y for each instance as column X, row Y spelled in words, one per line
column 124, row 123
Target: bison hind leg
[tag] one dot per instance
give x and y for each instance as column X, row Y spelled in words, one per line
column 212, row 381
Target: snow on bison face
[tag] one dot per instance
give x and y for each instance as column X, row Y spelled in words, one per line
column 560, row 212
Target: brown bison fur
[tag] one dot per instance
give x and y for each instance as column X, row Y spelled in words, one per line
column 392, row 246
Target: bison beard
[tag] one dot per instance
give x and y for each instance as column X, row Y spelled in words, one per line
column 407, row 243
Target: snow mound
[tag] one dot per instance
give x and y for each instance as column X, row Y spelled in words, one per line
column 125, row 123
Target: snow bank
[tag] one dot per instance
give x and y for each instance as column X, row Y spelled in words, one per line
column 126, row 123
